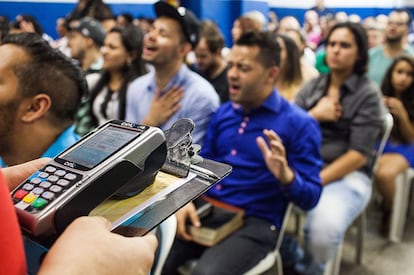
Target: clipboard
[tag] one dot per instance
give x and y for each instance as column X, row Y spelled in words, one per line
column 140, row 220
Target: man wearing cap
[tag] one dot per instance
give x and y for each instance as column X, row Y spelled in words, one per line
column 85, row 40
column 171, row 91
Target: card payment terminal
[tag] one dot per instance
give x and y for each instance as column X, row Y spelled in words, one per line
column 117, row 159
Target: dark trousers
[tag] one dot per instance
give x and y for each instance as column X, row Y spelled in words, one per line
column 234, row 255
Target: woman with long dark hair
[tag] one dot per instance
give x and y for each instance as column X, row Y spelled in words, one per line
column 121, row 51
column 398, row 91
column 290, row 79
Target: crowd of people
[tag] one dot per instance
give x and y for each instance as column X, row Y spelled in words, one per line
column 296, row 110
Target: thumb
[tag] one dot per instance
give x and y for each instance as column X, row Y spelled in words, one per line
column 150, row 240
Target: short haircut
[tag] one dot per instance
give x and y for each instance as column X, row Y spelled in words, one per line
column 213, row 36
column 361, row 39
column 269, row 54
column 406, row 11
column 50, row 72
column 129, row 18
column 29, row 18
column 247, row 24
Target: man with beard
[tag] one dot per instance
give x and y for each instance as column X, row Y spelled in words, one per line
column 40, row 91
column 171, row 91
column 210, row 62
column 395, row 44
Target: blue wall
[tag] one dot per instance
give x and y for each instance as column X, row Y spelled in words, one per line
column 224, row 12
column 47, row 12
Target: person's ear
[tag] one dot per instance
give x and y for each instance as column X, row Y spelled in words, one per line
column 90, row 42
column 184, row 49
column 35, row 107
column 273, row 74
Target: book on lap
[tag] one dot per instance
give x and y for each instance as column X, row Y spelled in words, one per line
column 218, row 220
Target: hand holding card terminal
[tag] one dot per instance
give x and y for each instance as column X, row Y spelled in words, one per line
column 119, row 158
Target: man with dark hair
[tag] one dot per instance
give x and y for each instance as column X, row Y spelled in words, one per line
column 266, row 175
column 85, row 40
column 40, row 90
column 171, row 91
column 210, row 62
column 395, row 44
column 40, row 99
column 125, row 19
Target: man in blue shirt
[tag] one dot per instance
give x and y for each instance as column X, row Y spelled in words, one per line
column 267, row 175
column 171, row 91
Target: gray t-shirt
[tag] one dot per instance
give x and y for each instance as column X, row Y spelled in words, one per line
column 358, row 127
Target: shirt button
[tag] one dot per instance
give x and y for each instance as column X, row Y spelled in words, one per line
column 241, row 131
column 218, row 187
column 246, row 118
column 233, row 152
column 243, row 124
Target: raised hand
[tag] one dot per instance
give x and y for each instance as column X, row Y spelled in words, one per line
column 396, row 107
column 274, row 155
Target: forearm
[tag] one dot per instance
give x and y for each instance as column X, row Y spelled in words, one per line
column 345, row 164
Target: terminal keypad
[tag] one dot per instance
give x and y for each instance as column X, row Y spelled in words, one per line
column 43, row 187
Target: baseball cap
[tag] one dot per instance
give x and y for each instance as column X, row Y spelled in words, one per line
column 188, row 21
column 91, row 28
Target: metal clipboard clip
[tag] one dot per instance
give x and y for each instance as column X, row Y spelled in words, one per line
column 182, row 154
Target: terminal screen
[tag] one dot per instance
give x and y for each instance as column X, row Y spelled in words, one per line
column 100, row 146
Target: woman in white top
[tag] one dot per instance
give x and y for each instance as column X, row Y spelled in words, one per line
column 121, row 51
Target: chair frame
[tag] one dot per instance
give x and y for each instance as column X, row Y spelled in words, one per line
column 167, row 229
column 273, row 260
column 333, row 266
column 400, row 205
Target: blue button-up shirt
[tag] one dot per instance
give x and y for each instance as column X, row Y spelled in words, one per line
column 231, row 138
column 199, row 102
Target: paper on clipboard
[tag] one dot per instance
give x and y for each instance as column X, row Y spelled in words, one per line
column 118, row 211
